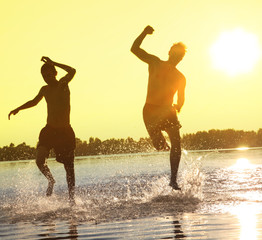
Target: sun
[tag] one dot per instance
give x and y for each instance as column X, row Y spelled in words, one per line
column 235, row 52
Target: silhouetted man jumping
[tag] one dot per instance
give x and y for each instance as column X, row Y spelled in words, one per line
column 58, row 133
column 159, row 112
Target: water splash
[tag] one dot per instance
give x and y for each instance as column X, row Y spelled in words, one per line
column 103, row 199
column 192, row 177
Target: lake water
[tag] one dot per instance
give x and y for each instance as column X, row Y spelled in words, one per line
column 128, row 197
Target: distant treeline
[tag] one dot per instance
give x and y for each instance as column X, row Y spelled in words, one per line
column 221, row 139
column 212, row 139
column 94, row 147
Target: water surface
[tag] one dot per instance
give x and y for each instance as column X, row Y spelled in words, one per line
column 128, row 197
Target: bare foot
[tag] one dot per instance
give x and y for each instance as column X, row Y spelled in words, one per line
column 50, row 188
column 174, row 185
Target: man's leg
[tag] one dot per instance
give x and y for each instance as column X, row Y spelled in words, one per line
column 157, row 137
column 42, row 154
column 70, row 178
column 175, row 154
column 151, row 120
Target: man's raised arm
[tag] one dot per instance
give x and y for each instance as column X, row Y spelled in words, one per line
column 70, row 71
column 139, row 52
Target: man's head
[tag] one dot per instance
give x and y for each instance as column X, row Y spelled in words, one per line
column 48, row 72
column 177, row 52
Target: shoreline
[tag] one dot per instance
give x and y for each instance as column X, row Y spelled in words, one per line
column 119, row 155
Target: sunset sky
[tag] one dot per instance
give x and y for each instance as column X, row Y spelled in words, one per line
column 109, row 89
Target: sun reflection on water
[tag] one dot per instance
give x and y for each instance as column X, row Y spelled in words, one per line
column 241, row 164
column 247, row 215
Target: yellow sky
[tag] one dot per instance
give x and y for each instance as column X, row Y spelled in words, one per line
column 109, row 89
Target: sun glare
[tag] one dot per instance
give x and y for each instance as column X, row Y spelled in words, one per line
column 247, row 215
column 242, row 148
column 235, row 52
column 242, row 163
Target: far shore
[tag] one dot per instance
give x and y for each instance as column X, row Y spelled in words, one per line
column 184, row 151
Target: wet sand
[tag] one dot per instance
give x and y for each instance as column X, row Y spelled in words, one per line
column 184, row 226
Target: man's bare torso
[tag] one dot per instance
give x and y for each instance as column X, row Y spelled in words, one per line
column 163, row 83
